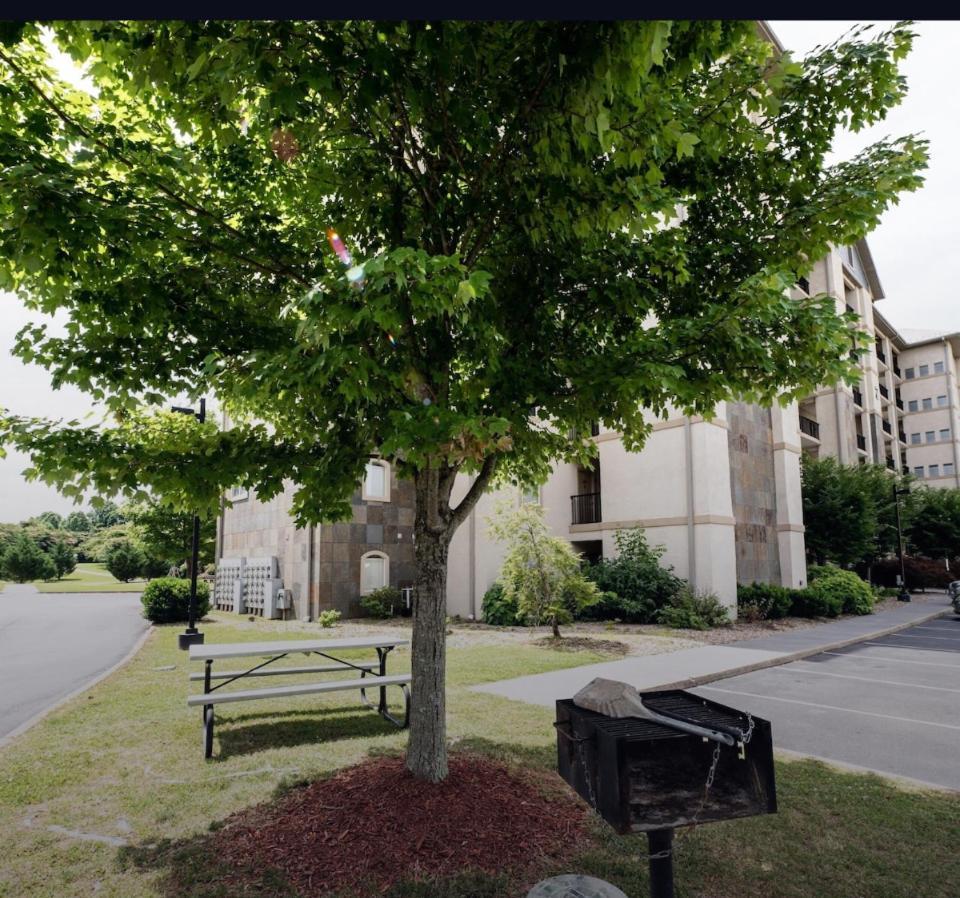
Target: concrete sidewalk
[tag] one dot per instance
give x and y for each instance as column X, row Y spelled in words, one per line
column 693, row 667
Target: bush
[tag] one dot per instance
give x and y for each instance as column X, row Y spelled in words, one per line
column 811, row 602
column 815, row 570
column 383, row 602
column 23, row 560
column 64, row 559
column 328, row 618
column 922, row 573
column 499, row 609
column 835, row 585
column 634, row 584
column 763, row 601
column 689, row 610
column 154, row 567
column 125, row 561
column 166, row 600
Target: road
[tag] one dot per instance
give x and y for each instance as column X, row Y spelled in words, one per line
column 890, row 704
column 53, row 644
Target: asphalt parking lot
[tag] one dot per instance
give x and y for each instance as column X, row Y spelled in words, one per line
column 890, row 704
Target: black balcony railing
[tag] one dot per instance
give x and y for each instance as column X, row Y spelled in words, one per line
column 809, row 427
column 901, row 436
column 896, row 367
column 886, row 427
column 890, row 463
column 850, row 308
column 858, row 397
column 595, row 429
column 899, row 402
column 861, row 442
column 884, row 392
column 585, row 508
column 881, row 356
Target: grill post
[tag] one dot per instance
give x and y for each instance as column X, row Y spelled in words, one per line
column 660, row 842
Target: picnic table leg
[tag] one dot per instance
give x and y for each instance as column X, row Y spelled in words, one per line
column 207, row 712
column 382, row 655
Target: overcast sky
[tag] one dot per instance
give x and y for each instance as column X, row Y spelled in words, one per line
column 911, row 248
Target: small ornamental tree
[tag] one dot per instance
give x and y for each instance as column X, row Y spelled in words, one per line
column 541, row 572
column 23, row 560
column 556, row 223
column 167, row 532
column 125, row 561
column 64, row 559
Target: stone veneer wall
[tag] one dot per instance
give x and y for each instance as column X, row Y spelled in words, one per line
column 753, row 484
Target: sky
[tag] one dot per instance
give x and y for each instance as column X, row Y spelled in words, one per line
column 911, row 246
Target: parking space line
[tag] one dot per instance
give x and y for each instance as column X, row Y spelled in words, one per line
column 827, row 673
column 796, row 701
column 890, row 645
column 908, row 636
column 885, row 658
column 952, row 629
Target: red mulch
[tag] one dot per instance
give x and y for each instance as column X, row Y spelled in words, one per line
column 373, row 825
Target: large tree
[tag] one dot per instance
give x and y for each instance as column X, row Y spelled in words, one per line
column 558, row 223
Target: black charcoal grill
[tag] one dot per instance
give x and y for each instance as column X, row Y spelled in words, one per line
column 642, row 776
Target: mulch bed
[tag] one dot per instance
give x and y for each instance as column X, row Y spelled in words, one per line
column 583, row 644
column 374, row 825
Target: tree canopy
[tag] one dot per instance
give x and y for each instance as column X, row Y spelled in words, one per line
column 557, row 223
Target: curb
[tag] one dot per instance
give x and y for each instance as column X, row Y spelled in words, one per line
column 126, row 659
column 703, row 679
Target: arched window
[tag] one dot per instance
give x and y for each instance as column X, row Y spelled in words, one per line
column 374, row 572
column 376, row 481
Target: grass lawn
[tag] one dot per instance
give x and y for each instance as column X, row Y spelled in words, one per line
column 123, row 763
column 89, row 577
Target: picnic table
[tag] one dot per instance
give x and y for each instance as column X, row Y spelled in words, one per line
column 372, row 674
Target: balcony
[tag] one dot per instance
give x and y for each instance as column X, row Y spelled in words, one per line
column 884, row 392
column 861, row 442
column 881, row 356
column 810, row 427
column 896, row 367
column 857, row 397
column 899, row 401
column 850, row 308
column 887, row 428
column 901, row 436
column 585, row 508
column 890, row 463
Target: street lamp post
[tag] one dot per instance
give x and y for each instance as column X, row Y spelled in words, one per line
column 904, row 595
column 192, row 636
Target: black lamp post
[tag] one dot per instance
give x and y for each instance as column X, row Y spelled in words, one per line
column 192, row 636
column 904, row 595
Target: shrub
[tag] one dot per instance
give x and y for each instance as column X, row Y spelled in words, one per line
column 328, row 618
column 500, row 609
column 633, row 584
column 383, row 602
column 125, row 560
column 815, row 570
column 166, row 600
column 922, row 573
column 811, row 602
column 23, row 560
column 689, row 610
column 763, row 601
column 154, row 567
column 836, row 585
column 64, row 559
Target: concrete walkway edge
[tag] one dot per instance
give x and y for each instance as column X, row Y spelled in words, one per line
column 787, row 658
column 46, row 712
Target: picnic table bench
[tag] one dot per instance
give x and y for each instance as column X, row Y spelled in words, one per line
column 372, row 674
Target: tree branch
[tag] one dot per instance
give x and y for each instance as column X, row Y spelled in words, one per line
column 479, row 486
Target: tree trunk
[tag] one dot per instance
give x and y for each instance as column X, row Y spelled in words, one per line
column 427, row 749
column 556, row 628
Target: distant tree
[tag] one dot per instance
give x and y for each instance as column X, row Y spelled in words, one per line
column 839, row 513
column 23, row 560
column 96, row 544
column 934, row 530
column 540, row 571
column 53, row 520
column 125, row 561
column 104, row 514
column 78, row 522
column 167, row 533
column 64, row 559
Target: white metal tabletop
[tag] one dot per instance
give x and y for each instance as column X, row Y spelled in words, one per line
column 217, row 651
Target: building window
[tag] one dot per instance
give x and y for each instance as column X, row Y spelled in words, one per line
column 931, row 436
column 914, row 438
column 924, row 370
column 918, row 471
column 934, row 470
column 908, row 373
column 374, row 572
column 938, row 367
column 239, row 493
column 945, row 433
column 948, row 469
column 941, row 401
column 376, row 482
column 927, row 403
column 913, row 405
